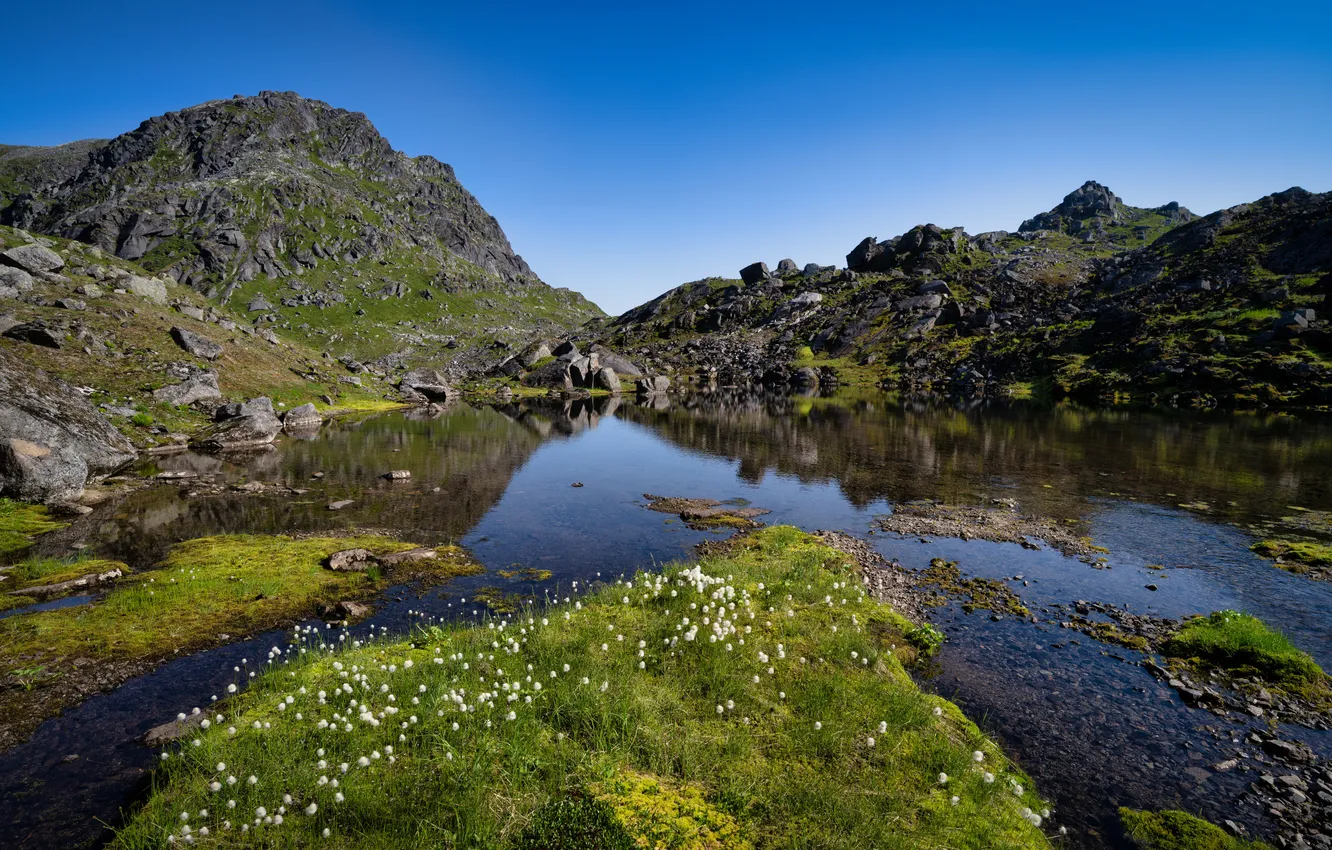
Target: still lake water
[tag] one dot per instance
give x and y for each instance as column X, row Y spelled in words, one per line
column 1094, row 728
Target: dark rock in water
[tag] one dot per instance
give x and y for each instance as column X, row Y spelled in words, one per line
column 34, row 334
column 160, row 736
column 755, row 273
column 253, row 425
column 303, row 418
column 51, row 438
column 606, row 379
column 652, row 386
column 425, row 385
column 350, row 560
column 33, row 259
column 785, row 267
column 196, row 343
column 806, row 377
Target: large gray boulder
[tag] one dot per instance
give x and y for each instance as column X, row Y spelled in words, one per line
column 14, row 282
column 196, row 343
column 200, row 387
column 606, row 379
column 553, row 375
column 652, row 386
column 622, row 365
column 51, row 438
column 787, row 266
column 34, row 333
column 303, row 418
column 254, row 426
column 425, row 385
column 33, row 259
column 149, row 288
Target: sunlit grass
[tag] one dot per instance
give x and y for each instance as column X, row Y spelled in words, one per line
column 758, row 699
column 1243, row 643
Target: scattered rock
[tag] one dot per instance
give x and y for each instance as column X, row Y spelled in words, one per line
column 254, row 427
column 35, row 334
column 755, row 273
column 397, row 475
column 196, row 343
column 340, row 504
column 148, row 288
column 33, row 259
column 351, row 560
column 201, row 386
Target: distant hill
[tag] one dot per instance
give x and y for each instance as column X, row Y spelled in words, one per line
column 1094, row 298
column 303, row 218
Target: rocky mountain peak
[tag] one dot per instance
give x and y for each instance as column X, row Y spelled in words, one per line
column 1090, row 200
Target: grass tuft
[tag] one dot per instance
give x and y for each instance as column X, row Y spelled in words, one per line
column 1243, row 644
column 1173, row 830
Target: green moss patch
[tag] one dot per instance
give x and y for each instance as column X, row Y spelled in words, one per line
column 748, row 700
column 1172, row 830
column 1241, row 643
column 20, row 522
column 1301, row 557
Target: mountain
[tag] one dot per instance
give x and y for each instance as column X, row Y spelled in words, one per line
column 304, row 217
column 1093, row 298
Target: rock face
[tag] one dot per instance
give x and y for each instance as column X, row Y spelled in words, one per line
column 254, row 426
column 425, row 385
column 200, row 387
column 196, row 344
column 652, row 386
column 606, row 379
column 51, row 438
column 303, row 418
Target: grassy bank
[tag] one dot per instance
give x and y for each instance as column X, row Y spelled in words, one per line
column 1243, row 644
column 1171, row 830
column 20, row 522
column 758, row 699
column 206, row 589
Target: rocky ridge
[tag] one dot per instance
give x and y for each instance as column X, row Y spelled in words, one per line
column 303, row 217
column 1093, row 298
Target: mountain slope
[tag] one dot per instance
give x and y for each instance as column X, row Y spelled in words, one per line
column 300, row 214
column 1093, row 298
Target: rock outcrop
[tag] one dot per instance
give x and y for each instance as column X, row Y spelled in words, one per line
column 251, row 425
column 52, row 440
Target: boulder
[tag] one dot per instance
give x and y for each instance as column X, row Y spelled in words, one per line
column 258, row 304
column 33, row 259
column 196, row 343
column 939, row 286
column 160, row 736
column 580, row 372
column 398, row 475
column 652, row 386
column 14, row 282
column 622, row 365
column 150, row 288
column 606, row 379
column 566, row 350
column 554, row 375
column 930, row 301
column 199, row 387
column 533, row 354
column 347, row 610
column 407, row 557
column 51, row 438
column 787, row 266
column 303, row 418
column 350, row 560
column 755, row 273
column 70, row 304
column 812, row 270
column 806, row 377
column 864, row 255
column 425, row 385
column 1292, row 323
column 35, row 334
column 193, row 312
column 255, row 425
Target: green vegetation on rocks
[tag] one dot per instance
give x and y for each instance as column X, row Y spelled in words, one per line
column 1172, row 830
column 755, row 699
column 1243, row 644
column 1296, row 556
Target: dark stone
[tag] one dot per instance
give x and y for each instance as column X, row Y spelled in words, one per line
column 254, row 425
column 34, row 334
column 196, row 343
column 565, row 350
column 865, row 255
column 755, row 273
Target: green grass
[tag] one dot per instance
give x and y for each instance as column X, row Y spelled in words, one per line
column 234, row 584
column 673, row 733
column 1295, row 554
column 1244, row 644
column 20, row 522
column 1172, row 830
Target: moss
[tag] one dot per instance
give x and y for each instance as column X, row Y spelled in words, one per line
column 1243, row 644
column 20, row 522
column 981, row 593
column 498, row 601
column 1174, row 830
column 1295, row 556
column 576, row 822
column 527, row 574
column 663, row 815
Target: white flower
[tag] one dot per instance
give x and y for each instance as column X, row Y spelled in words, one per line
column 818, row 724
column 312, row 808
column 943, row 779
column 987, row 777
column 363, row 761
column 869, row 742
column 978, row 756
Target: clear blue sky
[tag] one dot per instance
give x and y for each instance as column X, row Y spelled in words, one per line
column 629, row 147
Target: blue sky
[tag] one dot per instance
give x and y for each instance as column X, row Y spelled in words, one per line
column 626, row 148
